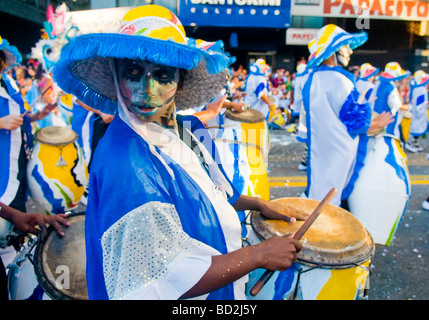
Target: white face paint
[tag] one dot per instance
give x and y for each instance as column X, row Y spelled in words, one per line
column 148, row 89
column 343, row 55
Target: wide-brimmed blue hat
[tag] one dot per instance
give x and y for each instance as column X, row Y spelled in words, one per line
column 152, row 33
column 12, row 55
column 330, row 39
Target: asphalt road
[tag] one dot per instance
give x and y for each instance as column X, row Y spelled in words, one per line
column 399, row 271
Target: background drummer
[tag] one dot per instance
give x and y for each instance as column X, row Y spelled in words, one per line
column 257, row 89
column 15, row 138
column 335, row 117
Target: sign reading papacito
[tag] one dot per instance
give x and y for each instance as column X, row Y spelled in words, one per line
column 377, row 9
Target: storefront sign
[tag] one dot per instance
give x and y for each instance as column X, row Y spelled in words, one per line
column 295, row 36
column 377, row 9
column 235, row 13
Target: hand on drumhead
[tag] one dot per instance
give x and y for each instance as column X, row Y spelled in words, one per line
column 37, row 223
column 275, row 211
column 238, row 106
column 278, row 253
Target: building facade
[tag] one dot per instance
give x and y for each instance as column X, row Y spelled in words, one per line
column 277, row 30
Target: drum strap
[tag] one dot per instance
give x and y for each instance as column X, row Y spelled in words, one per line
column 190, row 141
column 246, row 144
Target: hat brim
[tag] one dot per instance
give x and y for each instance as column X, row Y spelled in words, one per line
column 373, row 73
column 414, row 84
column 354, row 40
column 84, row 68
column 385, row 76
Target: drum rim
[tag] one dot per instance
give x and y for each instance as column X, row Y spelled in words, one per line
column 324, row 265
column 64, row 143
column 50, row 290
column 234, row 116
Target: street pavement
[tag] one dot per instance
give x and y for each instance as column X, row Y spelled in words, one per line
column 398, row 271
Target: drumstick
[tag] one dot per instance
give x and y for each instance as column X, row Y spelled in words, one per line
column 298, row 235
column 38, row 98
column 362, row 96
column 222, row 126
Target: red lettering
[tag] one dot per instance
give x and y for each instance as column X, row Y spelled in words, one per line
column 422, row 9
column 366, row 2
column 399, row 8
column 389, row 11
column 376, row 7
column 409, row 5
column 328, row 4
column 347, row 6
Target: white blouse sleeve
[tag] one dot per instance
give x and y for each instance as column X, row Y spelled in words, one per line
column 147, row 255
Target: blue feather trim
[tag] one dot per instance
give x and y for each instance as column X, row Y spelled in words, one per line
column 5, row 45
column 69, row 83
column 90, row 46
column 141, row 48
column 356, row 117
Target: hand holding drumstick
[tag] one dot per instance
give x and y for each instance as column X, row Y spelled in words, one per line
column 296, row 236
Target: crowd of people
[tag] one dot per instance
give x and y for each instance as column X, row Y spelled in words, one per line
column 281, row 84
column 165, row 177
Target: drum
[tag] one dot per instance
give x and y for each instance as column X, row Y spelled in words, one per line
column 240, row 141
column 334, row 261
column 272, row 107
column 382, row 190
column 405, row 124
column 57, row 174
column 54, row 268
column 60, row 262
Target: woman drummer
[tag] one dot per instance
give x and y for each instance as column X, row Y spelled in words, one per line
column 160, row 220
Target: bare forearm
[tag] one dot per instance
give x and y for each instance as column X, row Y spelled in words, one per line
column 85, row 106
column 247, row 203
column 226, row 269
column 276, row 253
column 7, row 212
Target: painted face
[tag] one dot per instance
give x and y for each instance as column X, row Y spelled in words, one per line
column 147, row 89
column 343, row 55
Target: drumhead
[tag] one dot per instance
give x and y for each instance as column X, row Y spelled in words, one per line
column 60, row 262
column 335, row 239
column 56, row 135
column 248, row 115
